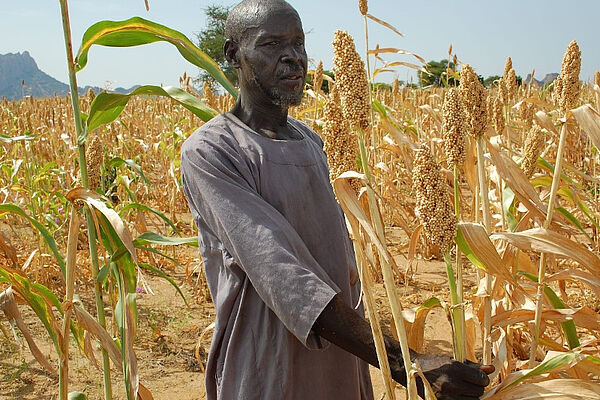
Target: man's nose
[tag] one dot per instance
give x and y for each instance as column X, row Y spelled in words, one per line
column 291, row 54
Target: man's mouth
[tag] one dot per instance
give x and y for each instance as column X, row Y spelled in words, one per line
column 292, row 77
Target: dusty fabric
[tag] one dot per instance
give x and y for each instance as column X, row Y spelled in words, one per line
column 275, row 250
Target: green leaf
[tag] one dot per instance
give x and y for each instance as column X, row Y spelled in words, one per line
column 467, row 251
column 573, row 220
column 549, row 167
column 155, row 238
column 588, row 213
column 113, row 244
column 143, row 207
column 508, row 205
column 151, row 250
column 166, row 277
column 24, row 287
column 377, row 106
column 13, row 208
column 118, row 162
column 137, row 31
column 545, row 367
column 103, row 272
column 106, row 107
column 568, row 327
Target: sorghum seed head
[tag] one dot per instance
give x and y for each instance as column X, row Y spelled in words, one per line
column 454, row 127
column 556, row 92
column 503, row 89
column 318, row 78
column 511, row 84
column 597, row 78
column 363, row 7
column 433, row 205
column 498, row 114
column 339, row 144
column 507, row 66
column 396, row 86
column 569, row 71
column 351, row 80
column 94, row 159
column 527, row 110
column 208, row 96
column 534, row 144
column 474, row 96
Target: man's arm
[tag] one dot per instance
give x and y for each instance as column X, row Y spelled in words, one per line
column 452, row 380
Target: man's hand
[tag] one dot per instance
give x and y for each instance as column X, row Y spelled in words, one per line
column 450, row 380
column 453, row 380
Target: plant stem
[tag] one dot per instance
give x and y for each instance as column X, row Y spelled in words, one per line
column 388, row 276
column 461, row 340
column 485, row 205
column 63, row 379
column 457, row 328
column 543, row 257
column 84, row 181
column 367, row 284
column 369, row 82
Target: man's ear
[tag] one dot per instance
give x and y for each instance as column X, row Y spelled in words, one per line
column 230, row 49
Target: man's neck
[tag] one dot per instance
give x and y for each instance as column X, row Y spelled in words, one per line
column 265, row 118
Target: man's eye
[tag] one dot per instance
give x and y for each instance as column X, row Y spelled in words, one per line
column 272, row 43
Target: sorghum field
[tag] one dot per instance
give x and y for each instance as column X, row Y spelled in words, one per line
column 475, row 215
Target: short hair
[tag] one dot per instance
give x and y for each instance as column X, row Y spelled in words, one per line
column 248, row 15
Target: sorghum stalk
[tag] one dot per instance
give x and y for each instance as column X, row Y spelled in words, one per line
column 567, row 97
column 84, row 181
column 353, row 86
column 380, row 349
column 485, row 206
column 63, row 380
column 454, row 131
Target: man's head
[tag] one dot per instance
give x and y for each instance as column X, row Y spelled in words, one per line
column 265, row 43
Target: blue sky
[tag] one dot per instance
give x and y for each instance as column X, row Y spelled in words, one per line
column 534, row 33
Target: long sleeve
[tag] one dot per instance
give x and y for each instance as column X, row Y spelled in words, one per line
column 221, row 189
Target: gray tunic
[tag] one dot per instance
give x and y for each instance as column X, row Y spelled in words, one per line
column 276, row 250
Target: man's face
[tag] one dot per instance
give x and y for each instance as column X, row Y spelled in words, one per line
column 273, row 59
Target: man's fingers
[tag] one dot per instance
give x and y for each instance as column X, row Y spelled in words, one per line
column 488, row 369
column 477, row 376
column 463, row 390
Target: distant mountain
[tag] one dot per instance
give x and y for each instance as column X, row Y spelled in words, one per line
column 547, row 79
column 20, row 76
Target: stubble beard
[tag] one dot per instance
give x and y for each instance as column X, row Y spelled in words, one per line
column 276, row 95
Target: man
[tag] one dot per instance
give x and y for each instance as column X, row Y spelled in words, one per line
column 277, row 256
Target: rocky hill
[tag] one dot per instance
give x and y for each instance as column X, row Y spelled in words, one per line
column 20, row 76
column 547, row 79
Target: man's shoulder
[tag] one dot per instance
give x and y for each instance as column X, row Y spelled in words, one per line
column 213, row 133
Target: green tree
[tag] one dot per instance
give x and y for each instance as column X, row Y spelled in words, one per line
column 489, row 81
column 325, row 84
column 211, row 40
column 438, row 75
